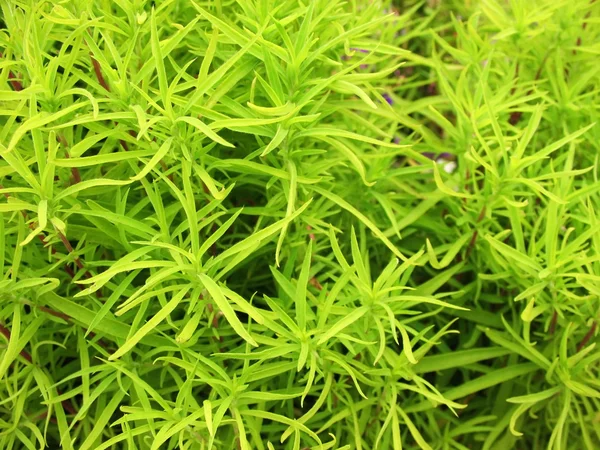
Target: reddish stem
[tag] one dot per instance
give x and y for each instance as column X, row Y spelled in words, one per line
column 13, row 79
column 68, row 406
column 66, row 267
column 14, row 82
column 553, row 323
column 587, row 337
column 475, row 232
column 23, row 353
column 55, row 313
column 69, row 248
column 472, row 243
column 481, row 214
column 123, row 143
column 98, row 71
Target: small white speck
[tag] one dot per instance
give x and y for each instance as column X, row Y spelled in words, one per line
column 450, row 167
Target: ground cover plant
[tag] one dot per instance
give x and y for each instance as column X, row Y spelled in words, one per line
column 259, row 224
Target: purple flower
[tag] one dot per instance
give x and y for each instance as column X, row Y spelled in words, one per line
column 362, row 50
column 388, row 98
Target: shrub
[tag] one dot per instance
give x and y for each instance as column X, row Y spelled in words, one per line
column 323, row 224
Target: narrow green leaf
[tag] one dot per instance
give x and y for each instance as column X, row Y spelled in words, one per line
column 217, row 295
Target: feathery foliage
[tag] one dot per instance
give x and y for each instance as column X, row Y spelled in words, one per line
column 286, row 224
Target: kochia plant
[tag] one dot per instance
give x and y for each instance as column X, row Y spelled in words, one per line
column 261, row 224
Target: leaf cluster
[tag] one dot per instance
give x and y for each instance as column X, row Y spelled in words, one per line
column 257, row 224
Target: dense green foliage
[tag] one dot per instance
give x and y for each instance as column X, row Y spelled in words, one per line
column 299, row 224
